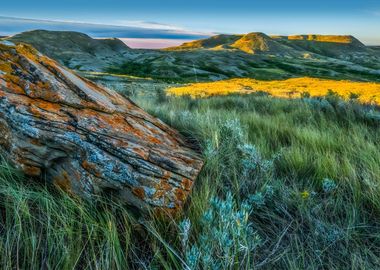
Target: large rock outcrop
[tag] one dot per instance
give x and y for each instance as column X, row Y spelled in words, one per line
column 87, row 139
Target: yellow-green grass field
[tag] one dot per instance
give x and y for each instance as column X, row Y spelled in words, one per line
column 366, row 92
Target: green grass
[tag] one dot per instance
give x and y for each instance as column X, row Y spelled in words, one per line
column 46, row 229
column 269, row 163
column 312, row 140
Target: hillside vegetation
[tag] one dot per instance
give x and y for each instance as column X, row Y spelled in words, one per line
column 291, row 88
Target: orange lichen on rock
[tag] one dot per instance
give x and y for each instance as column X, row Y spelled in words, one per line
column 32, row 171
column 139, row 192
column 180, row 194
column 63, row 182
column 140, row 152
column 90, row 168
column 187, row 184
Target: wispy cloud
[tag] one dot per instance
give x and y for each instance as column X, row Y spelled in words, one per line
column 373, row 12
column 161, row 26
column 149, row 25
column 124, row 29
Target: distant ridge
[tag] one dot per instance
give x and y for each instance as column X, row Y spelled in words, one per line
column 345, row 39
column 257, row 42
column 251, row 43
column 253, row 55
column 71, row 48
column 327, row 45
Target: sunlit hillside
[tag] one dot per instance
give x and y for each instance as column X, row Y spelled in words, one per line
column 291, row 88
column 346, row 39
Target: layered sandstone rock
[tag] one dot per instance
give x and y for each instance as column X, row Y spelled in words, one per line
column 87, row 139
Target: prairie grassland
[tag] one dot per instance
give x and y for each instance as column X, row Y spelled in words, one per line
column 292, row 88
column 287, row 184
column 303, row 175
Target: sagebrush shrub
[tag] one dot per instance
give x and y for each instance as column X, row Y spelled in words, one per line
column 227, row 239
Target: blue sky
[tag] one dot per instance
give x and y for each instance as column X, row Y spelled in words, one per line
column 360, row 18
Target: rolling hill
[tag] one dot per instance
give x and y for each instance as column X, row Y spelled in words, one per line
column 251, row 43
column 75, row 50
column 258, row 43
column 253, row 55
